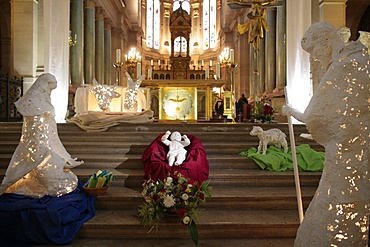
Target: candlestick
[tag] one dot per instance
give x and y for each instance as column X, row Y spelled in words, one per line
column 202, row 63
column 149, row 74
column 159, row 62
column 210, row 63
column 138, row 70
column 218, row 70
column 151, row 62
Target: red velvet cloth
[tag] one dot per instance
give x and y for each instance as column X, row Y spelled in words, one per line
column 195, row 166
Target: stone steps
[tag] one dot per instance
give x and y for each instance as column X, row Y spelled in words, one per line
column 248, row 207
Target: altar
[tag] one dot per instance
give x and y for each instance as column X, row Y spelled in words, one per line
column 183, row 99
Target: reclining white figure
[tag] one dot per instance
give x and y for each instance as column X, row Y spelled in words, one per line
column 269, row 137
column 40, row 164
column 177, row 153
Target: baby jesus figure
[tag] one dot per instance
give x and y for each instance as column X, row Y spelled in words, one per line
column 177, row 152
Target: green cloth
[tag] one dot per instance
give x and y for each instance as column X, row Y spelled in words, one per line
column 276, row 160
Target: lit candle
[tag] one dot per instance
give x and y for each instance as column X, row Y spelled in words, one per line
column 210, row 63
column 138, row 70
column 232, row 58
column 118, row 55
column 151, row 62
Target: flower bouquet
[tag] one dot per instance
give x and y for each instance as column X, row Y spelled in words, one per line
column 263, row 112
column 173, row 196
column 98, row 183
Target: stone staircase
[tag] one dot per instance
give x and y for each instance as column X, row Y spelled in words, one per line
column 248, row 207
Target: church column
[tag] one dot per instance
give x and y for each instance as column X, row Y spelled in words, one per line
column 281, row 47
column 76, row 50
column 24, row 37
column 99, row 45
column 270, row 48
column 107, row 51
column 252, row 73
column 261, row 78
column 333, row 11
column 89, row 41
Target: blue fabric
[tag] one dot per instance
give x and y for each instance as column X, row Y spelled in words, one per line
column 26, row 220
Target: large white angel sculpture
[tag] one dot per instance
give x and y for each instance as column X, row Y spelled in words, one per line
column 337, row 117
column 131, row 92
column 40, row 164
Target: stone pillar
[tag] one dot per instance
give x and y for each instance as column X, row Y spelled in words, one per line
column 99, row 45
column 270, row 48
column 333, row 11
column 107, row 52
column 89, row 41
column 24, row 37
column 281, row 47
column 261, row 78
column 253, row 70
column 76, row 50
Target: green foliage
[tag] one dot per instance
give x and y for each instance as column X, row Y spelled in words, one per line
column 173, row 196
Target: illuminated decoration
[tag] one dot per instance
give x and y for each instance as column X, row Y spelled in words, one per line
column 40, row 164
column 153, row 24
column 132, row 58
column 72, row 41
column 256, row 25
column 209, row 24
column 131, row 92
column 337, row 117
column 104, row 94
column 177, row 103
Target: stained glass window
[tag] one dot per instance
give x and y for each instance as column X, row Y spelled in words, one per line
column 185, row 4
column 209, row 24
column 180, row 46
column 153, row 24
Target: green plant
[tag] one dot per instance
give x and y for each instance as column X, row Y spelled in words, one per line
column 173, row 197
column 263, row 112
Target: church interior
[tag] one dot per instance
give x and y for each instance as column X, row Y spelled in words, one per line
column 172, row 65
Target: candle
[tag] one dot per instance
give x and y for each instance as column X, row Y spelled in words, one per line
column 210, row 63
column 218, row 70
column 202, row 62
column 159, row 62
column 207, row 73
column 118, row 55
column 151, row 62
column 138, row 70
column 150, row 73
column 232, row 58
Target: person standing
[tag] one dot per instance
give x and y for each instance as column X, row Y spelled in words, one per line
column 243, row 100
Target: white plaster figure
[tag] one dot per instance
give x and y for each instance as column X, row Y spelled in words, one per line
column 177, row 153
column 337, row 117
column 40, row 164
column 131, row 92
column 104, row 94
column 269, row 137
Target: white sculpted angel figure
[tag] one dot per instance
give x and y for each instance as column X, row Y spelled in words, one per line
column 131, row 91
column 40, row 164
column 337, row 117
column 177, row 153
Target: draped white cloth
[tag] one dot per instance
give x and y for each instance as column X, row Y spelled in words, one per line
column 298, row 61
column 56, row 27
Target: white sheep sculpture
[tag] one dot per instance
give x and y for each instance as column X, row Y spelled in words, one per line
column 269, row 137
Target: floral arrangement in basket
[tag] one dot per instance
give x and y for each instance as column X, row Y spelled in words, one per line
column 263, row 112
column 173, row 196
column 99, row 183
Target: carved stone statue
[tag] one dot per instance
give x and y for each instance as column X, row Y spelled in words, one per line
column 40, row 164
column 337, row 117
column 177, row 153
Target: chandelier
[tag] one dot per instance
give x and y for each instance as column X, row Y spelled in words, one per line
column 227, row 57
column 132, row 58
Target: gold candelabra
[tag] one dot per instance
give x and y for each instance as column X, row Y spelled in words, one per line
column 118, row 65
column 72, row 41
column 132, row 58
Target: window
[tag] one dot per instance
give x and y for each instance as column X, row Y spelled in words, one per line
column 180, row 46
column 209, row 24
column 185, row 4
column 153, row 24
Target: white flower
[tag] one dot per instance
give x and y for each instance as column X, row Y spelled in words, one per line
column 169, row 180
column 184, row 196
column 169, row 201
column 186, row 220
